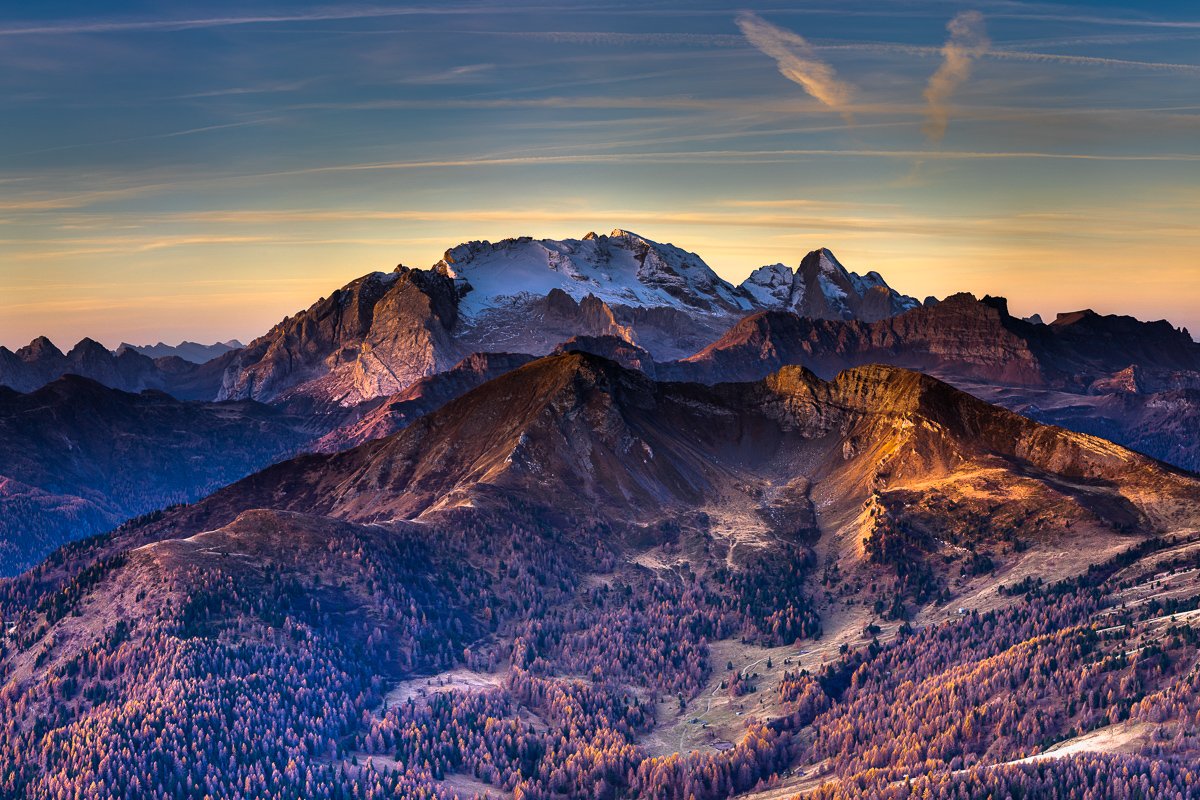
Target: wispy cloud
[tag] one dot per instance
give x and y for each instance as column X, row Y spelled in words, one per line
column 621, row 39
column 1088, row 61
column 1008, row 55
column 968, row 41
column 1101, row 39
column 787, row 217
column 150, row 136
column 269, row 88
column 632, row 102
column 40, row 202
column 463, row 74
column 135, row 25
column 1113, row 21
column 727, row 156
column 797, row 61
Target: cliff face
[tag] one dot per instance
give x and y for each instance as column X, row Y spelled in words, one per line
column 385, row 416
column 376, row 336
column 960, row 334
column 962, row 339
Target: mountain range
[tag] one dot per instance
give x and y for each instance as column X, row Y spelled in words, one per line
column 583, row 436
column 385, row 331
column 40, row 362
column 576, row 581
column 1109, row 375
column 580, row 519
column 389, row 347
column 189, row 351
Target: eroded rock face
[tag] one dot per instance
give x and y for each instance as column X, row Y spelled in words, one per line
column 387, row 415
column 1127, row 381
column 537, row 325
column 375, row 337
column 982, row 336
column 329, row 331
column 1086, row 346
column 962, row 334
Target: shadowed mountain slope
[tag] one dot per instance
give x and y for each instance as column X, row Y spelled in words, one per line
column 77, row 458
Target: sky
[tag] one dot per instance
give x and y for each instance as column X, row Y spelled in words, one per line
column 199, row 171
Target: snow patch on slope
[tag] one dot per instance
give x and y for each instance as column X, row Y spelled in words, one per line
column 770, row 286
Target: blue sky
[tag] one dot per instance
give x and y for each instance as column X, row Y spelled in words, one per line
column 174, row 170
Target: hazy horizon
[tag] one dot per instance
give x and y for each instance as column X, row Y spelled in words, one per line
column 170, row 174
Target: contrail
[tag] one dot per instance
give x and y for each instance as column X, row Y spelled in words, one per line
column 797, row 61
column 968, row 41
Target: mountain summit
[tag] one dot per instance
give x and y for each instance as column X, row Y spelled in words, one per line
column 621, row 268
column 821, row 288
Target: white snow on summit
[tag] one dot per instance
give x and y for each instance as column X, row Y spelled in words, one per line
column 821, row 287
column 620, row 269
column 624, row 269
column 829, row 264
column 770, row 286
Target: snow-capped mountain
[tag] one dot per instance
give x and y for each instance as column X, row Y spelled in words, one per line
column 386, row 331
column 382, row 333
column 620, row 269
column 821, row 288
